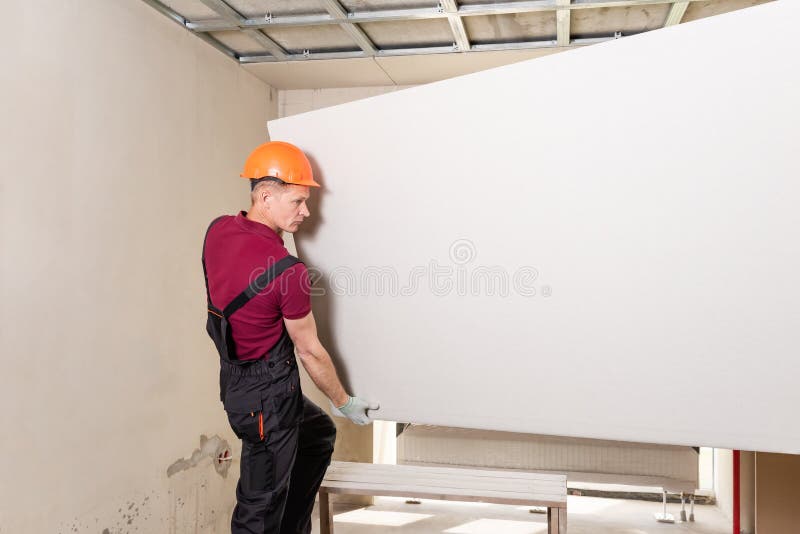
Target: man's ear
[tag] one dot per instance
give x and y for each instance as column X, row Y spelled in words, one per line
column 264, row 195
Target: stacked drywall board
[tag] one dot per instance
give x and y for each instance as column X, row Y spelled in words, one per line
column 675, row 468
column 601, row 243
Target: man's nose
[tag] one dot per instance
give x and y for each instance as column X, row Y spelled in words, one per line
column 304, row 211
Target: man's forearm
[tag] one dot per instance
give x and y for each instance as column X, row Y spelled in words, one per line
column 320, row 368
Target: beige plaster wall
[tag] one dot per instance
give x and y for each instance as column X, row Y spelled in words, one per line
column 122, row 136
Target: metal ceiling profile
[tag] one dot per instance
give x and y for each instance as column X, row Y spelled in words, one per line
column 338, row 12
column 676, row 12
column 231, row 15
column 456, row 24
column 268, row 29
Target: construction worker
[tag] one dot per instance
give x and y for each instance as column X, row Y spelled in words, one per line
column 259, row 314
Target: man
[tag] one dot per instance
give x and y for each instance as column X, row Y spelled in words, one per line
column 259, row 313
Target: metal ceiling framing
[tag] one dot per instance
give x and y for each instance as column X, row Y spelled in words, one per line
column 230, row 15
column 339, row 13
column 254, row 28
column 456, row 24
column 562, row 23
column 676, row 12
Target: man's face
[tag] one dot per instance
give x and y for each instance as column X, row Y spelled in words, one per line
column 289, row 208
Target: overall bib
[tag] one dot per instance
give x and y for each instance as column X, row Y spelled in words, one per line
column 287, row 440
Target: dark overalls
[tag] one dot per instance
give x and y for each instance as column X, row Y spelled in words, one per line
column 287, row 440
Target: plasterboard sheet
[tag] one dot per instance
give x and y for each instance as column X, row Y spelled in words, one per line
column 320, row 38
column 605, row 21
column 321, row 73
column 377, row 5
column 621, row 462
column 401, row 34
column 191, row 9
column 708, row 8
column 239, row 42
column 535, row 26
column 642, row 262
column 260, row 8
column 413, row 70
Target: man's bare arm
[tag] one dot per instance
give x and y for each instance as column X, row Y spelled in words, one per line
column 315, row 358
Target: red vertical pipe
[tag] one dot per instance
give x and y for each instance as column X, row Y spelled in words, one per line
column 736, row 493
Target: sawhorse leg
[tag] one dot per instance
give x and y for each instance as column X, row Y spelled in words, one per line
column 325, row 513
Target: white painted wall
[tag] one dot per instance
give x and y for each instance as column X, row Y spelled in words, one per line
column 659, row 224
column 723, row 480
column 723, row 488
column 122, row 136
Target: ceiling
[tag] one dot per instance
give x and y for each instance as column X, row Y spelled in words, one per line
column 303, row 44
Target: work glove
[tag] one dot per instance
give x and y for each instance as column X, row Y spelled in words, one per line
column 356, row 409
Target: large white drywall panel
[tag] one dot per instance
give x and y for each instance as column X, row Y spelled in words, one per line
column 639, row 199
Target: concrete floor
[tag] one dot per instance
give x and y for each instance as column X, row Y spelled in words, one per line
column 587, row 515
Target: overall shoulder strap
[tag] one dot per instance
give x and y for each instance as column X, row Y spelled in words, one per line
column 256, row 286
column 203, row 257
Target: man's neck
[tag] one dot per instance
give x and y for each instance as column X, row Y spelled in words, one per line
column 253, row 215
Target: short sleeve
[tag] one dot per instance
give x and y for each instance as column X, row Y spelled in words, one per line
column 295, row 292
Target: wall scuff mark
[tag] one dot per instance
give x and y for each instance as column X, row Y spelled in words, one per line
column 215, row 448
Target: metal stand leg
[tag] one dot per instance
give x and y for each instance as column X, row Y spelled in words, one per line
column 664, row 517
column 691, row 507
column 325, row 515
column 683, row 508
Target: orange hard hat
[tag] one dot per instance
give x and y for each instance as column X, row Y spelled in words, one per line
column 280, row 160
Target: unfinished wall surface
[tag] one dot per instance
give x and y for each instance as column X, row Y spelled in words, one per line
column 563, row 246
column 122, row 137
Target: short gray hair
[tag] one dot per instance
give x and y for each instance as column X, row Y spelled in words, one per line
column 267, row 181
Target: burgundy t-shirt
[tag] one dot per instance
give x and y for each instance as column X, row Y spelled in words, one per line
column 237, row 251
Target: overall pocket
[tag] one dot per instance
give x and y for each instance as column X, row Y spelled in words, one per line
column 250, row 420
column 245, row 415
column 258, row 469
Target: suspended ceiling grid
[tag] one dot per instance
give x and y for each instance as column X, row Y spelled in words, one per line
column 335, row 43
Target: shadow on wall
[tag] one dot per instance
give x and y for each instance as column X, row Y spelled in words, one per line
column 315, row 203
column 322, row 305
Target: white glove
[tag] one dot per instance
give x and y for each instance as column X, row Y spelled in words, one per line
column 356, row 410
